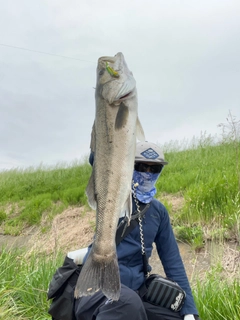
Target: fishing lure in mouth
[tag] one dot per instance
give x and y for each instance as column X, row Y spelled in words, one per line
column 111, row 71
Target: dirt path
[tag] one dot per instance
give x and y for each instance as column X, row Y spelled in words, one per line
column 74, row 229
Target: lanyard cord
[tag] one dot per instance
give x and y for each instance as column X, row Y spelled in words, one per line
column 144, row 257
column 139, row 218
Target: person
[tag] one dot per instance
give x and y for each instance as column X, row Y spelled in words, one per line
column 149, row 163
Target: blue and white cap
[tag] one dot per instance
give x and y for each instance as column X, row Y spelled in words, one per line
column 149, row 152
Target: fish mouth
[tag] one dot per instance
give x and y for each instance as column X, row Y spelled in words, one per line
column 126, row 90
column 108, row 59
column 125, row 96
column 118, row 57
column 124, row 84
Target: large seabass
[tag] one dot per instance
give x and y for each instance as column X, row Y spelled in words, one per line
column 115, row 130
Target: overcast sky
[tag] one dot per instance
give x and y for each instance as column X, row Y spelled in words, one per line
column 184, row 54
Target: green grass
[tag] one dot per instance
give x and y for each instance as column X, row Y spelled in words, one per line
column 24, row 283
column 207, row 176
column 17, row 185
column 26, row 194
column 217, row 298
column 25, row 279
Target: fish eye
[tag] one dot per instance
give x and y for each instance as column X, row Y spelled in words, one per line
column 101, row 72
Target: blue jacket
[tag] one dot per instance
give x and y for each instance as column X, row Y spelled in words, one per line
column 156, row 228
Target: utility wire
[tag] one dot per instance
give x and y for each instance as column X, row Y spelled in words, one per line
column 50, row 54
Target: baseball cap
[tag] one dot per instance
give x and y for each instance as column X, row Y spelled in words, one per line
column 149, row 152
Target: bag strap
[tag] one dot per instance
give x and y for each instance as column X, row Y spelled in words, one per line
column 123, row 230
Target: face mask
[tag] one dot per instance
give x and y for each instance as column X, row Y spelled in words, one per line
column 145, row 190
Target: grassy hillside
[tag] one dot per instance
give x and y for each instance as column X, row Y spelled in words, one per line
column 26, row 194
column 206, row 175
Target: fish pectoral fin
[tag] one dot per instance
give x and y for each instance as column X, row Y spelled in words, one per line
column 140, row 132
column 93, row 138
column 99, row 274
column 122, row 116
column 90, row 192
column 127, row 209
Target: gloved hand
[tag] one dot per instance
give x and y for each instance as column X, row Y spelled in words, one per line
column 189, row 317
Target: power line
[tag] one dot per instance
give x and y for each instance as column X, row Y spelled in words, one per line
column 41, row 52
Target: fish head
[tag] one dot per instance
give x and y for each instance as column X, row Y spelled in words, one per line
column 115, row 82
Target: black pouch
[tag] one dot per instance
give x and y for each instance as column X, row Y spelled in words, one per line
column 163, row 292
column 61, row 291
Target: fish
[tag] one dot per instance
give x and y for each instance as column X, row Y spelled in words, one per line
column 115, row 131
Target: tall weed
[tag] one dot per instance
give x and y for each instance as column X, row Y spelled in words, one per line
column 217, row 298
column 24, row 283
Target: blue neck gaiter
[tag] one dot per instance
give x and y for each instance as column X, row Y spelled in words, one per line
column 145, row 190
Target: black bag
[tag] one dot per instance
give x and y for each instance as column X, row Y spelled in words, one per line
column 61, row 291
column 163, row 292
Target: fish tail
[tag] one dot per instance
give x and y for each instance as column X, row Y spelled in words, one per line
column 99, row 275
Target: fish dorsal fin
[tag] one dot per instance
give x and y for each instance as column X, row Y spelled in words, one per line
column 140, row 132
column 122, row 116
